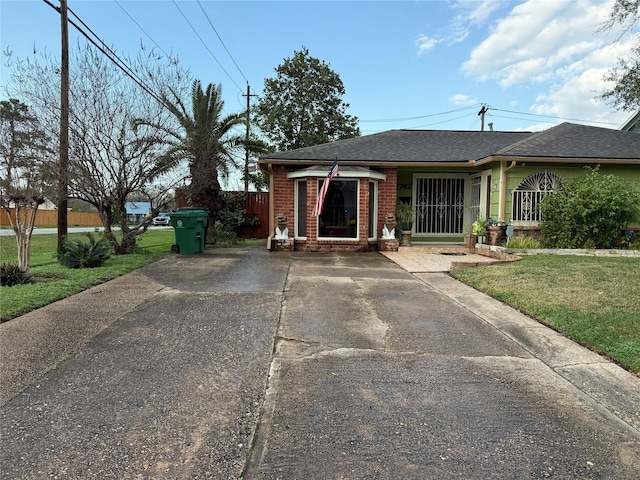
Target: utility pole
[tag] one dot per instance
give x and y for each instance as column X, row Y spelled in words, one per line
column 246, row 138
column 482, row 111
column 63, row 175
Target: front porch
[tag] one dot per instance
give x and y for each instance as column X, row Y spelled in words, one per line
column 443, row 258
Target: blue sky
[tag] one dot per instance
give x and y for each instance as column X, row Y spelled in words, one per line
column 404, row 64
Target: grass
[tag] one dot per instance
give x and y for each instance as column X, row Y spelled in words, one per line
column 53, row 281
column 595, row 301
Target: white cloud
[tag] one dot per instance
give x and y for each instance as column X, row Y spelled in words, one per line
column 574, row 91
column 535, row 37
column 555, row 47
column 461, row 99
column 425, row 43
column 471, row 14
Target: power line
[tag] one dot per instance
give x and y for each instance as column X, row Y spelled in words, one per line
column 225, row 47
column 445, row 121
column 110, row 54
column 545, row 116
column 142, row 29
column 421, row 116
column 205, row 45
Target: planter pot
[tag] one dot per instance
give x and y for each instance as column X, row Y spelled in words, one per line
column 470, row 241
column 405, row 238
column 496, row 235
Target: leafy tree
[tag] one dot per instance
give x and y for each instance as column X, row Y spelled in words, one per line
column 109, row 160
column 625, row 93
column 24, row 153
column 303, row 105
column 205, row 139
column 589, row 211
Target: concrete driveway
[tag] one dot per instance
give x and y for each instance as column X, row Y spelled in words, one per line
column 245, row 363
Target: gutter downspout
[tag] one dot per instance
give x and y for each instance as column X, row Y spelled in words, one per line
column 271, row 206
column 503, row 187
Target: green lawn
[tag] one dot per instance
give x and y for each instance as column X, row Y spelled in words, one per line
column 593, row 300
column 53, row 281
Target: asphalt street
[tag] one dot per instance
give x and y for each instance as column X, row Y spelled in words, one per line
column 244, row 363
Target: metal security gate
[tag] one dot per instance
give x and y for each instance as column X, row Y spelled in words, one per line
column 439, row 205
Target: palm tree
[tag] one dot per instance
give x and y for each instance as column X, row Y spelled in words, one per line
column 205, row 139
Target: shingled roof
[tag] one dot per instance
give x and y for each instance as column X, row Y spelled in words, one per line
column 567, row 140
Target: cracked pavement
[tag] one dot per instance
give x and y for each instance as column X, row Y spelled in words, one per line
column 244, row 363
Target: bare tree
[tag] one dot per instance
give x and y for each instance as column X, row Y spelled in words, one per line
column 109, row 160
column 23, row 155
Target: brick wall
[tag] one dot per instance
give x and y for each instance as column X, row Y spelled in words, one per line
column 284, row 202
column 387, row 196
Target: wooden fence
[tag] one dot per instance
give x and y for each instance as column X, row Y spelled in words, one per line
column 49, row 218
column 256, row 206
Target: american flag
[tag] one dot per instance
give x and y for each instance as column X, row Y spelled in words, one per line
column 317, row 210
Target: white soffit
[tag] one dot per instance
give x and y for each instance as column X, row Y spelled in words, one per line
column 343, row 172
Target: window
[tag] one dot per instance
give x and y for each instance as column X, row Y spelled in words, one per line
column 476, row 184
column 530, row 192
column 373, row 210
column 301, row 208
column 339, row 216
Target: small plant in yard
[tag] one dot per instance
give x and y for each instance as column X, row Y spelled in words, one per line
column 224, row 236
column 523, row 243
column 479, row 227
column 11, row 274
column 80, row 254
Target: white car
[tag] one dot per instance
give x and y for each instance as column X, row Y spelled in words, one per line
column 161, row 219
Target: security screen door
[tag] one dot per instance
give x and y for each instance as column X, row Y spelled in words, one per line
column 439, row 205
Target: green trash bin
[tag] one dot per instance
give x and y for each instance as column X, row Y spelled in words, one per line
column 190, row 226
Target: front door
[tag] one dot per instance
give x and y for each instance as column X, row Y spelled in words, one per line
column 439, row 205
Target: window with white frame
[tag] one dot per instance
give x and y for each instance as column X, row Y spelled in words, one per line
column 530, row 192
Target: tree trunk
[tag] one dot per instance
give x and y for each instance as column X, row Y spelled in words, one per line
column 23, row 223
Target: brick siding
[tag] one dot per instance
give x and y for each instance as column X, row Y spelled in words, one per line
column 284, row 202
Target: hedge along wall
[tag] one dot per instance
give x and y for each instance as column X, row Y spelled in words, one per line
column 49, row 218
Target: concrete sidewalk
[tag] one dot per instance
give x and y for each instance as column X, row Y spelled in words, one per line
column 208, row 366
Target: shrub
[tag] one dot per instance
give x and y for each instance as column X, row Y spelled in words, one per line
column 81, row 254
column 589, row 212
column 225, row 237
column 523, row 243
column 231, row 214
column 11, row 274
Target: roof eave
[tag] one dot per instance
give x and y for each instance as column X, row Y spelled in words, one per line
column 362, row 163
column 522, row 159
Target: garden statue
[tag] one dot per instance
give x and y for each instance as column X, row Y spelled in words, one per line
column 282, row 232
column 389, row 229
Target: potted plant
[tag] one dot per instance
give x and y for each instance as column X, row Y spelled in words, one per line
column 479, row 227
column 496, row 232
column 404, row 216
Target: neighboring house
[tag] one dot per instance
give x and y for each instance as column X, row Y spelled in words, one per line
column 450, row 177
column 633, row 124
column 137, row 211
